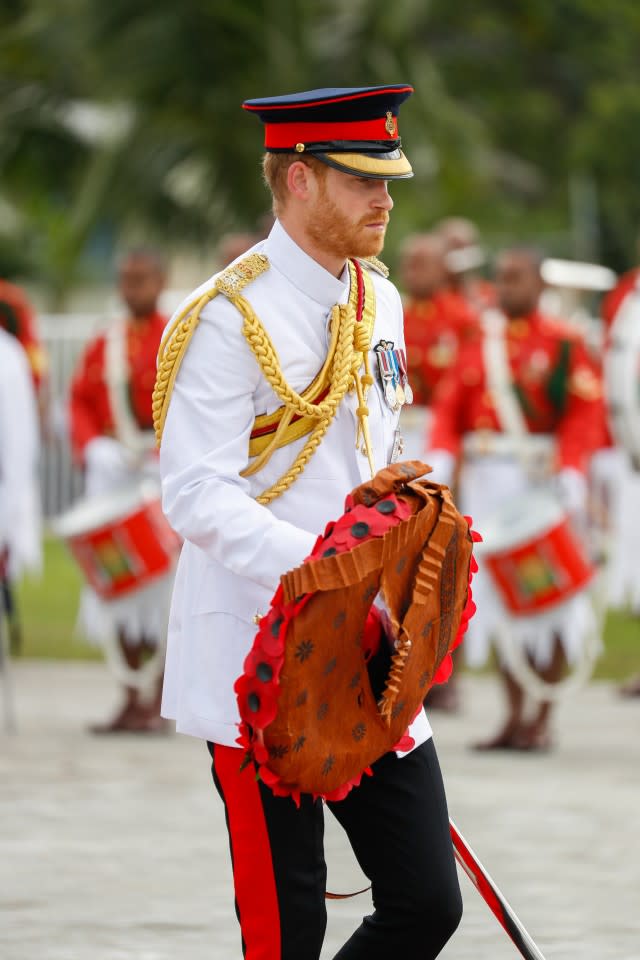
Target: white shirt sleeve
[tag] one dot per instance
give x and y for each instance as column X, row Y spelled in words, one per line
column 205, row 447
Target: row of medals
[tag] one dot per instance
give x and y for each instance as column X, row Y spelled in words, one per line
column 392, row 370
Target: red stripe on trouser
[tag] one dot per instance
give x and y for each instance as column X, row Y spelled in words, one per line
column 253, row 876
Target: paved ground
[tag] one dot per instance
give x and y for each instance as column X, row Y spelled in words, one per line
column 116, row 849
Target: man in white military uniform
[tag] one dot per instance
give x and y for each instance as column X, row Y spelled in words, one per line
column 248, row 514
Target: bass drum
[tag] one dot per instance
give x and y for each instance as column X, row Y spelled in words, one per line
column 121, row 541
column 622, row 376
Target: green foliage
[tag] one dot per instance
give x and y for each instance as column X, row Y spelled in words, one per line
column 48, row 607
column 514, row 104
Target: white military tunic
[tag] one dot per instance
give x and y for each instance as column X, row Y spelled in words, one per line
column 236, row 549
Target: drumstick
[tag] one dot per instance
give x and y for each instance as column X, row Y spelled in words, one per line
column 492, row 896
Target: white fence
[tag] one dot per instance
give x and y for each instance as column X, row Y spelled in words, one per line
column 64, row 337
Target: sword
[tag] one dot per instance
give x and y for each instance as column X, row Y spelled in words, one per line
column 492, row 896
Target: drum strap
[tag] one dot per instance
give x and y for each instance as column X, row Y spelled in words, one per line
column 499, row 377
column 127, row 430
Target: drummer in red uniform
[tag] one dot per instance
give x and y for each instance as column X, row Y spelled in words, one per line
column 521, row 403
column 112, row 439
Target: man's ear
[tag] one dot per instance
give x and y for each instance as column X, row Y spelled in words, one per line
column 301, row 180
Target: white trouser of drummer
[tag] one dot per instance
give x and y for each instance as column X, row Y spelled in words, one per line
column 491, row 472
column 141, row 614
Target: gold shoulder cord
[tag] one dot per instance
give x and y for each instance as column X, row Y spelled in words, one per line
column 177, row 338
column 349, row 347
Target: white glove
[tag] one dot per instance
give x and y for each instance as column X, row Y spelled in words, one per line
column 443, row 463
column 109, row 465
column 572, row 490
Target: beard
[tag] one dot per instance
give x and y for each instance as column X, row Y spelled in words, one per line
column 336, row 234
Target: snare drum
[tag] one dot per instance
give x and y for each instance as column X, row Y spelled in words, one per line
column 533, row 555
column 122, row 540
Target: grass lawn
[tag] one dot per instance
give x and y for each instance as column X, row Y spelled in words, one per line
column 48, row 609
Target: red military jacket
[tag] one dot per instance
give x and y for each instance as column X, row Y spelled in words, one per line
column 557, row 383
column 90, row 405
column 434, row 331
column 16, row 317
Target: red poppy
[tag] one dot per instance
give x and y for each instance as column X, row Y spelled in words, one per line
column 271, row 636
column 257, row 701
column 259, row 664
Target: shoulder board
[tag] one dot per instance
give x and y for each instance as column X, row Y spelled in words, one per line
column 376, row 265
column 232, row 281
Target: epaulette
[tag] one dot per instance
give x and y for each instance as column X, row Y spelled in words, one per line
column 235, row 278
column 376, row 265
column 230, row 283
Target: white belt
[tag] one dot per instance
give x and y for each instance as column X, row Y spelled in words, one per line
column 490, row 443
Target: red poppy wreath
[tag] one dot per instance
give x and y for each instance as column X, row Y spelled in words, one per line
column 310, row 719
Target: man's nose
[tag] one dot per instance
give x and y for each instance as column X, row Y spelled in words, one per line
column 382, row 199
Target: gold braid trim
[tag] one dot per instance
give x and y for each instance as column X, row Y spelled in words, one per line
column 341, row 375
column 350, row 342
column 376, row 265
column 176, row 339
column 349, row 347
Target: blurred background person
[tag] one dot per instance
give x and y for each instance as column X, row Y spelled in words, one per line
column 437, row 321
column 112, row 439
column 436, row 324
column 20, row 527
column 522, row 407
column 464, row 256
column 17, row 317
column 234, row 245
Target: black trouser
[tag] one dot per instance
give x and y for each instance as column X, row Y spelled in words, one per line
column 397, row 824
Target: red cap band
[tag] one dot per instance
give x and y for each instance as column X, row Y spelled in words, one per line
column 286, row 135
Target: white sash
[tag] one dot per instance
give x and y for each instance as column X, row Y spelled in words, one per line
column 127, row 431
column 500, row 385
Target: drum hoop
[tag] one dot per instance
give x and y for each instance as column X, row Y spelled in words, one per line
column 125, row 501
column 488, row 549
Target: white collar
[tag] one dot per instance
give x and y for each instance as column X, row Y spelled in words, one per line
column 303, row 271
